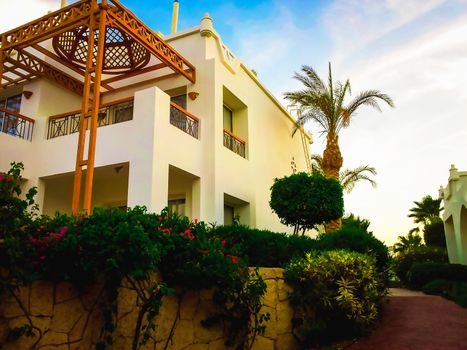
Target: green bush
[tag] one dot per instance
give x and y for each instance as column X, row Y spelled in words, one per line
column 336, row 295
column 454, row 290
column 404, row 260
column 261, row 247
column 422, row 273
column 354, row 238
column 111, row 246
column 433, row 233
column 303, row 201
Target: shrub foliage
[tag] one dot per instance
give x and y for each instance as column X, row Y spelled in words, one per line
column 336, row 294
column 303, row 201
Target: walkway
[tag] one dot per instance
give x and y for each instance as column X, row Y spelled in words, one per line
column 415, row 321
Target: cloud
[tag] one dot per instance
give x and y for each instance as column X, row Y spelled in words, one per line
column 24, row 11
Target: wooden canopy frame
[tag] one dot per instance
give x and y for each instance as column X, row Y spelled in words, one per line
column 19, row 63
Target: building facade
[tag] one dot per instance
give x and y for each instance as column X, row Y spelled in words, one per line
column 454, row 197
column 209, row 150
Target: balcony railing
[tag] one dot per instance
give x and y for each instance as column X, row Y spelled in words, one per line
column 183, row 120
column 111, row 113
column 15, row 124
column 234, row 143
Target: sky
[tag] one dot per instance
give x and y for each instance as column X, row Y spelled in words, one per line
column 413, row 50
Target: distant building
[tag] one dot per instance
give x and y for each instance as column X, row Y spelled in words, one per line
column 454, row 196
column 181, row 122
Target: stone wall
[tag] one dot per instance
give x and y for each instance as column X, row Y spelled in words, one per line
column 66, row 320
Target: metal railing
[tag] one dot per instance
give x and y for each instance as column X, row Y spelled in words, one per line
column 184, row 120
column 15, row 124
column 111, row 113
column 234, row 143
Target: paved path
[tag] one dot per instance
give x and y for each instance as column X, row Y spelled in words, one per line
column 415, row 321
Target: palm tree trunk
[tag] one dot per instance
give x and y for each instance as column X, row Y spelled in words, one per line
column 332, row 163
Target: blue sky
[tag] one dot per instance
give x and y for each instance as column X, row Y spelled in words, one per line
column 413, row 50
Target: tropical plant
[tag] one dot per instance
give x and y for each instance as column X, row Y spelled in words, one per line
column 411, row 241
column 433, row 233
column 426, row 210
column 305, row 200
column 336, row 294
column 325, row 104
column 348, row 178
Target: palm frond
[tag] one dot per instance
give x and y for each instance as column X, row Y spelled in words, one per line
column 349, row 177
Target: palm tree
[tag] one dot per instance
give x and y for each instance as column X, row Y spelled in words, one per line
column 348, row 178
column 325, row 105
column 426, row 210
column 411, row 241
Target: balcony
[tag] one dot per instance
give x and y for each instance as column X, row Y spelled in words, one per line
column 234, row 143
column 111, row 113
column 184, row 120
column 15, row 124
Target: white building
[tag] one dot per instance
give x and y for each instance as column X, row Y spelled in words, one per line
column 454, row 196
column 211, row 159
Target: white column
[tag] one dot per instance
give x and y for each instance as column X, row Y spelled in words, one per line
column 149, row 171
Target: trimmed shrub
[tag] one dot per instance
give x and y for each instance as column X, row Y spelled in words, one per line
column 354, row 238
column 261, row 247
column 336, row 295
column 404, row 260
column 422, row 273
column 456, row 291
column 303, row 201
column 433, row 233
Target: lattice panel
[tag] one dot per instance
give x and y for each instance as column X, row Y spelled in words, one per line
column 125, row 20
column 122, row 54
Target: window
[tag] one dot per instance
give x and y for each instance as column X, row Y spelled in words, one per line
column 229, row 214
column 8, row 124
column 180, row 100
column 228, row 120
column 177, row 206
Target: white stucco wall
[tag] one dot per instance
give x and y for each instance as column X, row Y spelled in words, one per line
column 454, row 196
column 150, row 145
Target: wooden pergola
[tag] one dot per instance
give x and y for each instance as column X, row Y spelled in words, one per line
column 90, row 47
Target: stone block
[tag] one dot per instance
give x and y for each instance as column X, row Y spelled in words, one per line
column 217, row 345
column 126, row 300
column 287, row 342
column 270, row 298
column 284, row 289
column 189, row 305
column 42, row 298
column 126, row 325
column 65, row 291
column 285, row 314
column 262, row 343
column 183, row 335
column 66, row 315
column 203, row 334
column 53, row 340
column 91, row 297
column 10, row 305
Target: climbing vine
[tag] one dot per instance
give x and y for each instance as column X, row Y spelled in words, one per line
column 133, row 247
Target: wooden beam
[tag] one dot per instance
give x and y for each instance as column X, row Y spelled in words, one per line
column 33, row 65
column 64, row 62
column 127, row 22
column 95, row 110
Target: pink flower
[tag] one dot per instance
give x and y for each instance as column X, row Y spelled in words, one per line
column 166, row 230
column 42, row 257
column 160, row 218
column 1, row 178
column 167, row 218
column 234, row 259
column 223, row 242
